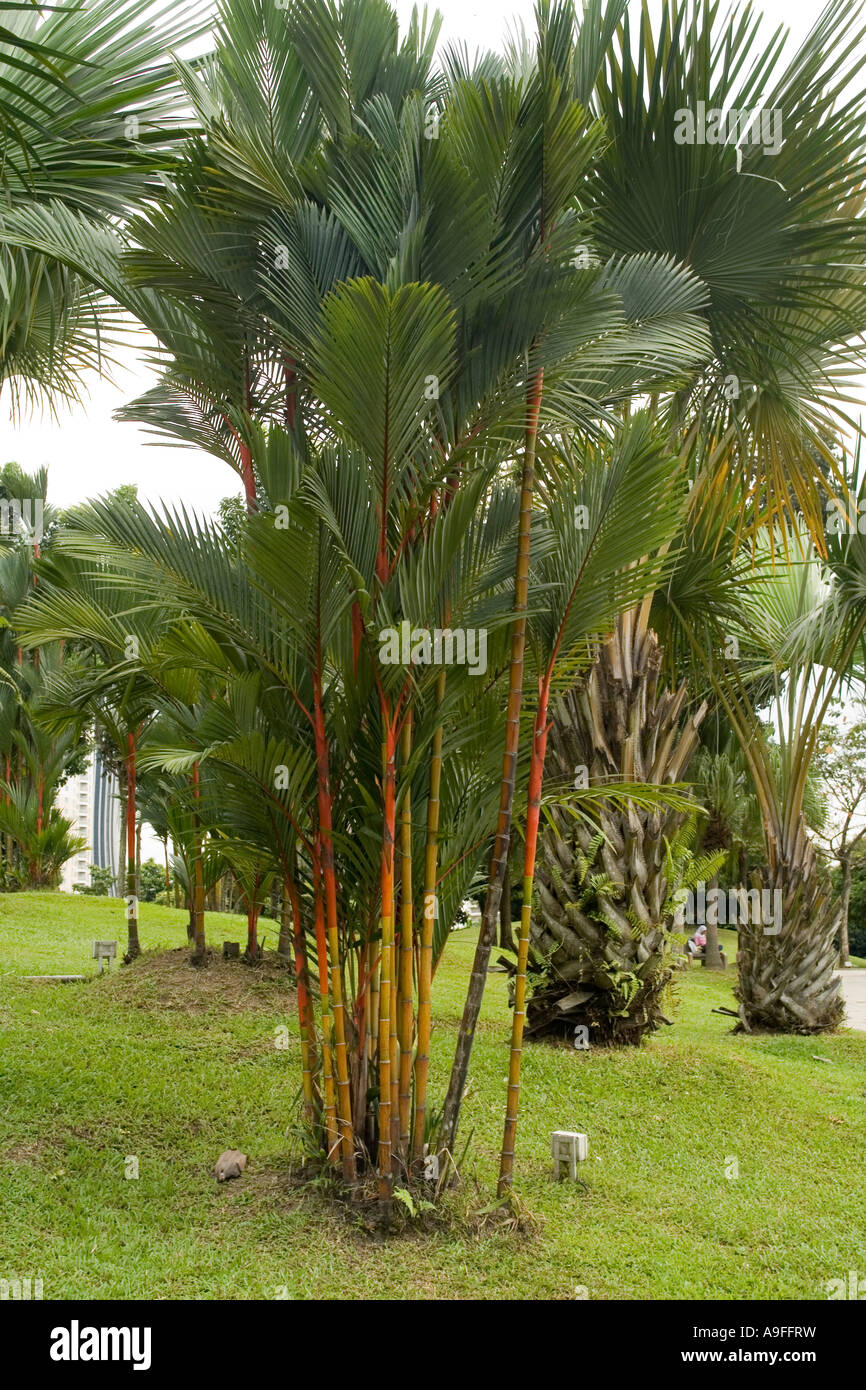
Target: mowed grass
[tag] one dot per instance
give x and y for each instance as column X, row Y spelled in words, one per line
column 721, row 1166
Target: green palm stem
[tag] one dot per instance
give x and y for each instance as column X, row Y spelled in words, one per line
column 394, row 1012
column 393, row 1038
column 121, row 848
column 405, row 1009
column 425, row 957
column 199, row 947
column 133, row 948
column 7, row 839
column 428, row 920
column 284, row 940
column 362, row 1016
column 290, row 377
column 329, row 883
column 248, row 477
column 374, row 955
column 533, row 817
column 302, row 982
column 253, row 910
column 386, row 992
column 332, row 1137
column 499, row 858
column 247, row 471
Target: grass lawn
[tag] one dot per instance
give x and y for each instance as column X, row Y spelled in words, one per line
column 172, row 1065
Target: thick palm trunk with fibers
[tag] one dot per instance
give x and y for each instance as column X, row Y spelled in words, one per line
column 786, row 978
column 607, row 975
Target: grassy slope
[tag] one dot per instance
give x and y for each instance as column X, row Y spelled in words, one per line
column 174, row 1066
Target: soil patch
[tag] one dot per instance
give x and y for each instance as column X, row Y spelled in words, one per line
column 166, row 980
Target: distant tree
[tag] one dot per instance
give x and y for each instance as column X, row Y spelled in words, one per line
column 101, row 883
column 842, row 766
column 231, row 512
column 152, row 880
column 857, row 904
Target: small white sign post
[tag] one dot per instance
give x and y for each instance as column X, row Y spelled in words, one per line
column 568, row 1149
column 104, row 951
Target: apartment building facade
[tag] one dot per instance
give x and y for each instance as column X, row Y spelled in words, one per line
column 90, row 801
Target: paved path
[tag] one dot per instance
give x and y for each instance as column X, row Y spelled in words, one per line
column 854, row 990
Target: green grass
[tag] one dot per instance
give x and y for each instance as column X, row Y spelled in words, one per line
column 173, row 1065
column 52, row 933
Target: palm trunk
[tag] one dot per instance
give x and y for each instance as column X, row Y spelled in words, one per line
column 199, row 954
column 428, row 926
column 331, row 1132
column 406, row 1018
column 499, row 859
column 133, row 947
column 385, row 1156
column 305, row 1012
column 253, row 951
column 122, row 793
column 533, row 816
column 787, row 978
column 284, row 944
column 138, row 861
column 248, row 479
column 329, row 882
column 506, row 933
column 199, row 950
column 371, row 1025
column 8, row 843
column 613, row 726
column 393, row 1039
column 844, row 943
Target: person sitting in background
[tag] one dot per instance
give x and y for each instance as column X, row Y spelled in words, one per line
column 696, row 944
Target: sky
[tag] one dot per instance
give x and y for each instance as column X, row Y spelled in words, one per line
column 88, row 453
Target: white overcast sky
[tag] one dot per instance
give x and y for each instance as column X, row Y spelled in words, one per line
column 87, row 452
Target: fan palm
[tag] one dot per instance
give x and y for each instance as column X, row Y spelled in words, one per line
column 90, row 109
column 775, row 238
column 803, row 623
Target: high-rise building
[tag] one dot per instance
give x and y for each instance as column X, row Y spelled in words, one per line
column 90, row 801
